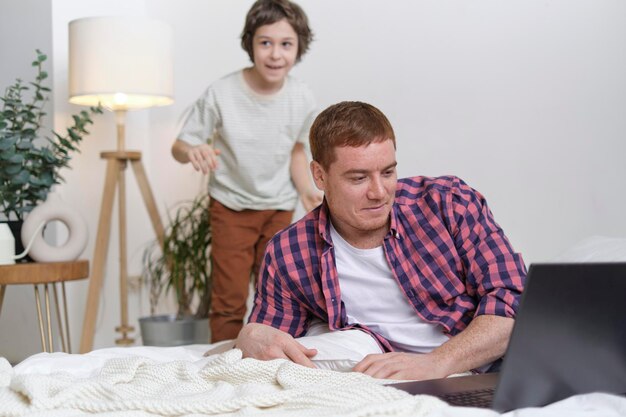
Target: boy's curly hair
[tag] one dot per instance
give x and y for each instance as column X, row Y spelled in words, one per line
column 266, row 12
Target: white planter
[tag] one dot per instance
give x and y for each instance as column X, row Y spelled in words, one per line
column 55, row 209
column 166, row 330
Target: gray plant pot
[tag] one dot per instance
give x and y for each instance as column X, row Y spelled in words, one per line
column 166, row 330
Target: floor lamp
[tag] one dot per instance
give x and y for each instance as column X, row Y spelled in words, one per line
column 122, row 63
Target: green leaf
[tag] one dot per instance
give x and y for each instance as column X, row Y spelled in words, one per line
column 12, row 169
column 67, row 145
column 42, row 194
column 7, row 142
column 24, row 145
column 36, row 180
column 73, row 135
column 47, row 178
column 21, row 178
column 16, row 159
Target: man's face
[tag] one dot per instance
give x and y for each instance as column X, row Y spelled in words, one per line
column 360, row 187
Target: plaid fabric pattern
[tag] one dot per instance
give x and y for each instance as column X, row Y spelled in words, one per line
column 447, row 253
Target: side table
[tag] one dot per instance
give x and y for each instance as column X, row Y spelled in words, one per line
column 44, row 273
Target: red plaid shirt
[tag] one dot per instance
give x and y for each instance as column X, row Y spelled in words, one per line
column 445, row 250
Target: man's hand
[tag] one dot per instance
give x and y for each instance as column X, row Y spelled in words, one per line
column 400, row 365
column 263, row 342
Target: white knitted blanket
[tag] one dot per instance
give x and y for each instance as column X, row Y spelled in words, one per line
column 226, row 385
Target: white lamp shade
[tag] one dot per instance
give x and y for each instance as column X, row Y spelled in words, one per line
column 121, row 62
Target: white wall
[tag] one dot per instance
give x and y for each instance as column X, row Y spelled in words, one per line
column 18, row 42
column 525, row 100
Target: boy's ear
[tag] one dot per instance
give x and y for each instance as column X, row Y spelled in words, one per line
column 318, row 174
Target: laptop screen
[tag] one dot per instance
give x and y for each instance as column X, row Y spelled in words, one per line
column 569, row 335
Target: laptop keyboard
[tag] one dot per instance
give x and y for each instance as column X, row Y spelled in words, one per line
column 481, row 398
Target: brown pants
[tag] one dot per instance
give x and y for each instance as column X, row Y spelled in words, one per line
column 239, row 239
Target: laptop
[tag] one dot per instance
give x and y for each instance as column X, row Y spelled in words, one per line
column 569, row 338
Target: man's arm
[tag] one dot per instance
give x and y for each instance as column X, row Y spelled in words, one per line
column 484, row 340
column 494, row 271
column 275, row 311
column 203, row 157
column 299, row 169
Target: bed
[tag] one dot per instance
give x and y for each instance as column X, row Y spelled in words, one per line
column 182, row 381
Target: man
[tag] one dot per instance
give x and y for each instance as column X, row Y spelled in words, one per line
column 419, row 263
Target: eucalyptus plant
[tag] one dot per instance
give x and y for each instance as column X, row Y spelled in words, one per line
column 30, row 164
column 182, row 263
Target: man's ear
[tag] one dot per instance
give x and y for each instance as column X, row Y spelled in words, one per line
column 318, row 174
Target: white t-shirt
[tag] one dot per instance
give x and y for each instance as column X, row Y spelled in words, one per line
column 255, row 134
column 373, row 298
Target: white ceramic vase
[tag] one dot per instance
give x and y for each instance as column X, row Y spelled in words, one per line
column 55, row 209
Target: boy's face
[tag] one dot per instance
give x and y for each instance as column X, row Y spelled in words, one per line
column 275, row 48
column 359, row 187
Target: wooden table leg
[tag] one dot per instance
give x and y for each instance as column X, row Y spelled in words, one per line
column 67, row 321
column 2, row 288
column 48, row 317
column 57, row 309
column 40, row 318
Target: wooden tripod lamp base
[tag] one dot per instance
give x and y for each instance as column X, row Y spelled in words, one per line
column 116, row 166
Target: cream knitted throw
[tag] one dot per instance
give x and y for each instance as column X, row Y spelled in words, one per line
column 226, row 386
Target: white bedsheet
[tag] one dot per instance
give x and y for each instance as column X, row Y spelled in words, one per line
column 150, row 381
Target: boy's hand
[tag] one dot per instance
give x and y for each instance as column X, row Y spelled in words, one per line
column 203, row 157
column 263, row 342
column 311, row 199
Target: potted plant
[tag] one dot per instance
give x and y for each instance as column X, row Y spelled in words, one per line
column 29, row 163
column 181, row 264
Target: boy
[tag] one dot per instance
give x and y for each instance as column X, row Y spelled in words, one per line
column 249, row 128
